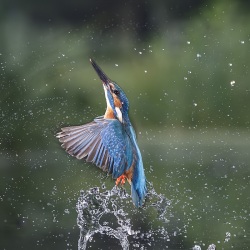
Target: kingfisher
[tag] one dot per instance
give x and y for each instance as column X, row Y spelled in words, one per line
column 110, row 141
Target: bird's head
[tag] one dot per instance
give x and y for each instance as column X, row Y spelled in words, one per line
column 117, row 102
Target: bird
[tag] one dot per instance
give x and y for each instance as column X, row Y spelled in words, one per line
column 109, row 141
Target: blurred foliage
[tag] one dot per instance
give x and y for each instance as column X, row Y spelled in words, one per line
column 196, row 72
column 183, row 65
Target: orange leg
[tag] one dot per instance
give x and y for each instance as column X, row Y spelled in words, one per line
column 121, row 180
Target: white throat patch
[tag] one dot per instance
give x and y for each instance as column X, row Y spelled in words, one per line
column 118, row 111
column 119, row 114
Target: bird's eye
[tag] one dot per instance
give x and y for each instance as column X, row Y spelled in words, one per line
column 116, row 92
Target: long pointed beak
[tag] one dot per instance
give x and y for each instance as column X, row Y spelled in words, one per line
column 100, row 73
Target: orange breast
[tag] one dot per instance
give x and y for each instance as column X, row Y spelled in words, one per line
column 129, row 172
column 109, row 114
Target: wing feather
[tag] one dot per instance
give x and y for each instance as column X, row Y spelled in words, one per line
column 103, row 142
column 84, row 149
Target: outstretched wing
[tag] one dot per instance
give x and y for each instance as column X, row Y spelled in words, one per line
column 103, row 142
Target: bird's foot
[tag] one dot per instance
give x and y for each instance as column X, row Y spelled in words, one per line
column 121, row 180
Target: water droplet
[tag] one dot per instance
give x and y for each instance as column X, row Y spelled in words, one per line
column 66, row 211
column 196, row 247
column 227, row 237
column 211, row 247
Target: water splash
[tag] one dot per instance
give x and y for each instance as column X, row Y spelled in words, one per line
column 111, row 212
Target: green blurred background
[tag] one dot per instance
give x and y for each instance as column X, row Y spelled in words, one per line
column 185, row 68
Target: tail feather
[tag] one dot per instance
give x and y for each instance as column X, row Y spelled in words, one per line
column 138, row 192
